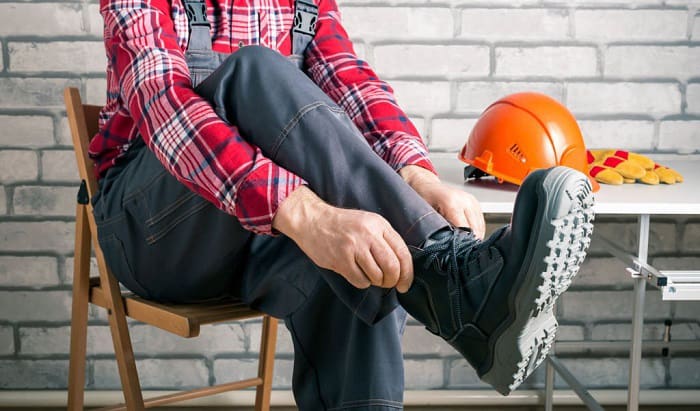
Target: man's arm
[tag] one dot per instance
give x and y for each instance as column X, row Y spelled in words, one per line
column 193, row 143
column 369, row 101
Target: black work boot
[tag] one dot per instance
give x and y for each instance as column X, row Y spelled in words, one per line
column 492, row 300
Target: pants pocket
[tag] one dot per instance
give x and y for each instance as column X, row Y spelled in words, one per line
column 115, row 257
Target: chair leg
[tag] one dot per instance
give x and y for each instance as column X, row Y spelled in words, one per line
column 120, row 337
column 79, row 313
column 266, row 363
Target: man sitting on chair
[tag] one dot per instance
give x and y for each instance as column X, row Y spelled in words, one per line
column 247, row 152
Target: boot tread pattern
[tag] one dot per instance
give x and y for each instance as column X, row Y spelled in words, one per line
column 567, row 250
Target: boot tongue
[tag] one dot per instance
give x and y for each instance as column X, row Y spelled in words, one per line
column 438, row 237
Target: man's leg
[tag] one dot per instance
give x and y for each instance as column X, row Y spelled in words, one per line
column 492, row 300
column 279, row 109
column 340, row 362
column 164, row 243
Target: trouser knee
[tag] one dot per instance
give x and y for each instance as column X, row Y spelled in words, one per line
column 259, row 58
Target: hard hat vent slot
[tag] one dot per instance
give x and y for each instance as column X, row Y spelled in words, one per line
column 517, row 152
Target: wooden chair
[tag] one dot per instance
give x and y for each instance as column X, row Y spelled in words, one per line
column 103, row 291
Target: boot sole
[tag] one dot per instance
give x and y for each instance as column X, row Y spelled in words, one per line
column 559, row 249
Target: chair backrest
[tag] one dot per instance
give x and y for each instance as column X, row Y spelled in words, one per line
column 83, row 121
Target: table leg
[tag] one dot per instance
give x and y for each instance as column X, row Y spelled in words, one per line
column 638, row 318
column 549, row 387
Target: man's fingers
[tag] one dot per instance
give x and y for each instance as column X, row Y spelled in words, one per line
column 366, row 261
column 405, row 260
column 476, row 222
column 388, row 262
column 356, row 276
column 457, row 217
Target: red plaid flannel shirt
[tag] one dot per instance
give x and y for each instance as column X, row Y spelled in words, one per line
column 149, row 96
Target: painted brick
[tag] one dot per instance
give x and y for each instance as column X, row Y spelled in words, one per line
column 46, row 200
column 424, row 374
column 7, row 340
column 462, row 375
column 284, row 338
column 609, row 271
column 48, row 19
column 693, row 98
column 2, row 61
column 433, row 60
column 625, row 235
column 474, row 96
column 685, row 372
column 514, row 24
column 688, row 310
column 56, row 340
column 611, row 25
column 648, row 61
column 3, row 201
column 609, row 305
column 30, row 374
column 26, row 131
column 70, row 265
column 681, row 136
column 391, row 22
column 58, row 56
column 231, row 369
column 570, row 333
column 623, row 331
column 28, row 271
column 155, row 373
column 417, row 340
column 37, row 236
column 610, row 98
column 695, row 35
column 558, row 61
column 63, row 137
column 691, row 237
column 624, row 134
column 676, row 263
column 422, row 97
column 59, row 165
column 450, row 134
column 220, row 338
column 18, row 165
column 96, row 91
column 33, row 92
column 95, row 20
column 35, row 305
column 612, row 372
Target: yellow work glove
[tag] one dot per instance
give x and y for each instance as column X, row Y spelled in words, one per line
column 620, row 166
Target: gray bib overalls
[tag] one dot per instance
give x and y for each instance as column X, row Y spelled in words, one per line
column 166, row 243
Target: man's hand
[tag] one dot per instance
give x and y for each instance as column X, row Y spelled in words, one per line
column 458, row 207
column 359, row 245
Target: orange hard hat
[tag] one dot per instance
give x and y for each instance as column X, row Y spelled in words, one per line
column 521, row 133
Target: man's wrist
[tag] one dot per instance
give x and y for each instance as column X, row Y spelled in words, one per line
column 417, row 175
column 301, row 208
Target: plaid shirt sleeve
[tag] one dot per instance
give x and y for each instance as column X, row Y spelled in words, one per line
column 353, row 85
column 193, row 143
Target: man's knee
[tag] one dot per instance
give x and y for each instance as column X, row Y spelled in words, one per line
column 258, row 56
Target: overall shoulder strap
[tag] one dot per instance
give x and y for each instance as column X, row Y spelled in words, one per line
column 305, row 17
column 196, row 11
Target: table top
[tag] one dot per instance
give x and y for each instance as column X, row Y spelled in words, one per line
column 636, row 199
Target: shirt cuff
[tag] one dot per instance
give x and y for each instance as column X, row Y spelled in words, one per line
column 260, row 195
column 408, row 150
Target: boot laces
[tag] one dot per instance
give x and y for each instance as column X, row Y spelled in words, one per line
column 459, row 251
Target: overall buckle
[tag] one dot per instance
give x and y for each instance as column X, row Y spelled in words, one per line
column 305, row 17
column 196, row 11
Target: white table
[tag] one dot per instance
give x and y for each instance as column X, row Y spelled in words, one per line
column 638, row 200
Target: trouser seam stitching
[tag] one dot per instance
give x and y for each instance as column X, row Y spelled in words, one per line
column 291, row 124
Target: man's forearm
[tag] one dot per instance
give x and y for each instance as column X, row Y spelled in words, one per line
column 417, row 175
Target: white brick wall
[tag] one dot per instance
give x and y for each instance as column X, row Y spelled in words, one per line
column 628, row 69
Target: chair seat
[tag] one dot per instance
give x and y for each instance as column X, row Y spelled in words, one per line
column 181, row 319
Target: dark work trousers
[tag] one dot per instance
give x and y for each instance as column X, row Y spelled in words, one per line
column 166, row 243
